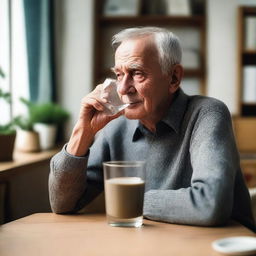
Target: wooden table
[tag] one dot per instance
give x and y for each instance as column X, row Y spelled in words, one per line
column 89, row 234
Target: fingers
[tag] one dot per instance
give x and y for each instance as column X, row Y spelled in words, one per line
column 105, row 95
column 93, row 99
column 93, row 107
column 97, row 104
column 112, row 117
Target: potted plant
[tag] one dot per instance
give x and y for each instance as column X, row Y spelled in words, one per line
column 27, row 140
column 7, row 131
column 47, row 118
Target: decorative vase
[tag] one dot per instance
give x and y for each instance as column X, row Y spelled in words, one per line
column 47, row 135
column 27, row 141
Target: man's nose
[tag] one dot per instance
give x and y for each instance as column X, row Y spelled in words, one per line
column 125, row 86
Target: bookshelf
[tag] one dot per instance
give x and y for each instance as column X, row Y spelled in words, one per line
column 245, row 122
column 247, row 61
column 187, row 27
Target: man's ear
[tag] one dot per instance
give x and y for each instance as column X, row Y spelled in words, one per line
column 176, row 76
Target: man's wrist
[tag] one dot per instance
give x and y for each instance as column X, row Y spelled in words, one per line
column 80, row 140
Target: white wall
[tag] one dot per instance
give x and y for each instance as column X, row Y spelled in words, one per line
column 222, row 50
column 74, row 39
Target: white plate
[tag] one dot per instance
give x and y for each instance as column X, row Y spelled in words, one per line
column 238, row 245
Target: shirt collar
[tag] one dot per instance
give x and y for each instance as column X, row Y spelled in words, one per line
column 173, row 118
column 176, row 111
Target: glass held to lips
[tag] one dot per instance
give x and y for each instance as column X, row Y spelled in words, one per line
column 109, row 92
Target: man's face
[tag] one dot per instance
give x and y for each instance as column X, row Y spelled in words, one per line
column 141, row 81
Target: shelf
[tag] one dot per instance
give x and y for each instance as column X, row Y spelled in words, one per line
column 248, row 109
column 249, row 57
column 249, row 104
column 246, row 57
column 25, row 159
column 249, row 52
column 249, row 11
column 187, row 21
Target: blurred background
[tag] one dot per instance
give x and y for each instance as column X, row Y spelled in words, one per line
column 57, row 51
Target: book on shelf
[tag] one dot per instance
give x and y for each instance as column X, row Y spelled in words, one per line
column 178, row 7
column 121, row 8
column 154, row 7
column 249, row 84
column 250, row 33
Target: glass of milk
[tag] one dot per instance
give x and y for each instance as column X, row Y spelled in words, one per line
column 124, row 183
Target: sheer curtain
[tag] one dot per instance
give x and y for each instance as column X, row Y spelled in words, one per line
column 19, row 65
column 26, row 53
column 39, row 24
column 13, row 58
column 4, row 58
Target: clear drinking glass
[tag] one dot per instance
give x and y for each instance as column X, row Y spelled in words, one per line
column 124, row 183
column 109, row 92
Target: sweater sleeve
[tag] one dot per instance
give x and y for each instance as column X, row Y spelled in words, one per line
column 208, row 200
column 75, row 181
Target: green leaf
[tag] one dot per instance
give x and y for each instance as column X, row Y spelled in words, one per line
column 49, row 113
column 7, row 128
column 5, row 95
column 2, row 74
column 23, row 123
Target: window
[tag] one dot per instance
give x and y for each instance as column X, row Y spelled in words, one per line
column 13, row 59
column 4, row 60
column 20, row 84
column 26, row 53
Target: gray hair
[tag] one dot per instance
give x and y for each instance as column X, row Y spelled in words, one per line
column 167, row 44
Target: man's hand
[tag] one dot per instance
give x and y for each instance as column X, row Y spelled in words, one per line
column 91, row 112
column 91, row 120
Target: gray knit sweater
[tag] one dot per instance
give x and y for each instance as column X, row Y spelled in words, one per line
column 193, row 173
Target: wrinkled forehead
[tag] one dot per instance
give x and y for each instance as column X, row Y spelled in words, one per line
column 143, row 48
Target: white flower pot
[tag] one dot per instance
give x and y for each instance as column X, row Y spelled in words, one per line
column 47, row 135
column 27, row 141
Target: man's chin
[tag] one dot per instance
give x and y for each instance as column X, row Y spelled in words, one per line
column 132, row 114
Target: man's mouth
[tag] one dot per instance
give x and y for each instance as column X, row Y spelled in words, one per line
column 133, row 104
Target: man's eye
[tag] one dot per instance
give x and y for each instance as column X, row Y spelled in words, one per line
column 119, row 76
column 138, row 74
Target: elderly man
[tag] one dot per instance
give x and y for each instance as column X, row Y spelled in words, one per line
column 193, row 172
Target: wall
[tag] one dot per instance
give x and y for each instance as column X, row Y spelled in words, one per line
column 74, row 38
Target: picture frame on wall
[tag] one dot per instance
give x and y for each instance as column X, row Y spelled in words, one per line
column 122, row 7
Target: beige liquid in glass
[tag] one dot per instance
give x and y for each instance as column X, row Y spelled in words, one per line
column 124, row 197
